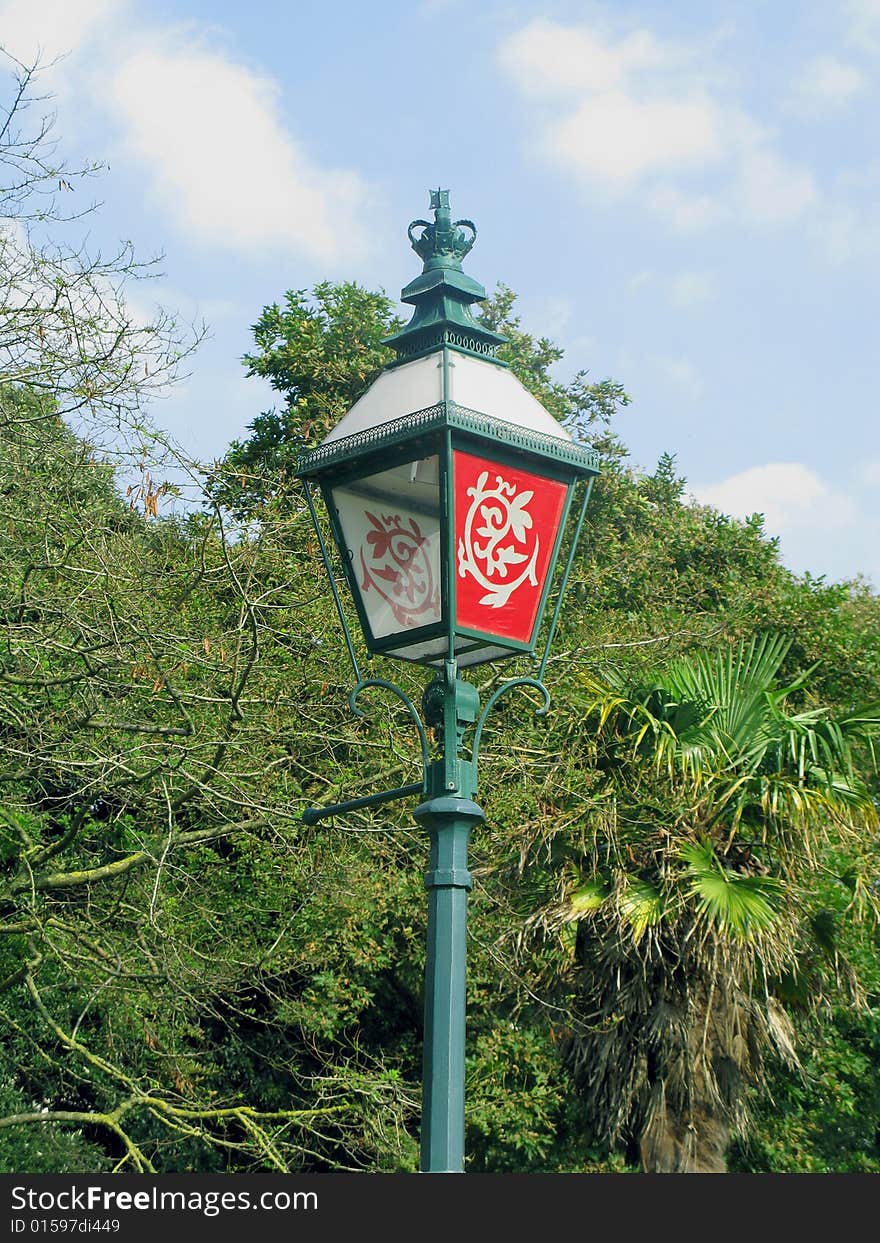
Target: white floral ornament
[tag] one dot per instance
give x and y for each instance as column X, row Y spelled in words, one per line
column 503, row 514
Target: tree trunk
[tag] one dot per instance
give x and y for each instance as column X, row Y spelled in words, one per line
column 672, row 1143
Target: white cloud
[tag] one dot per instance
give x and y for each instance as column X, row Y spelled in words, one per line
column 204, row 133
column 772, row 190
column 50, row 28
column 690, row 289
column 618, row 139
column 144, row 301
column 686, row 211
column 847, row 232
column 548, row 315
column 864, row 27
column 647, row 117
column 221, row 160
column 547, row 59
column 606, row 129
column 789, row 495
column 826, row 83
column 818, row 523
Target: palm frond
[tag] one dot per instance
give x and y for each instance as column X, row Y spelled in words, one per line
column 733, row 903
column 586, row 899
column 846, row 790
column 641, row 905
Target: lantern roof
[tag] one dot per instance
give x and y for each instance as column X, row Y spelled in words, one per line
column 469, row 382
column 446, row 374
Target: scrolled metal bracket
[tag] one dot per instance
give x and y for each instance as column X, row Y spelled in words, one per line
column 513, row 684
column 450, row 706
column 312, row 815
column 366, row 683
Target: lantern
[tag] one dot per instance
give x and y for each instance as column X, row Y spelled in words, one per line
column 448, row 484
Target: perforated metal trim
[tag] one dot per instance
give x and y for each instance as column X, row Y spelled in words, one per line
column 437, row 417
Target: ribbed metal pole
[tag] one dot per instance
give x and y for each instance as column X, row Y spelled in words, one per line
column 448, row 816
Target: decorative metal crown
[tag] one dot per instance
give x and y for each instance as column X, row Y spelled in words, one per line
column 443, row 241
column 442, row 293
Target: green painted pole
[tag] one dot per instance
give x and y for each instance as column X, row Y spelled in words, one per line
column 449, row 822
column 448, row 816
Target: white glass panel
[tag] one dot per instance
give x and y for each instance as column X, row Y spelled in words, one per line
column 391, row 524
column 497, row 392
column 423, row 651
column 481, row 654
column 434, row 652
column 402, row 390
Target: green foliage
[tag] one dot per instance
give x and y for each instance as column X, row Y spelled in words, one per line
column 824, row 1118
column 640, row 905
column 44, row 1147
column 586, row 408
column 320, row 353
column 520, row 1094
column 150, row 855
column 680, row 914
column 733, row 903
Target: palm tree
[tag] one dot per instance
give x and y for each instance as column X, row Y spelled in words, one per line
column 688, row 908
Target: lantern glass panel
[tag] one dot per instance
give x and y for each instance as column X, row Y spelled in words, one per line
column 391, row 525
column 506, row 526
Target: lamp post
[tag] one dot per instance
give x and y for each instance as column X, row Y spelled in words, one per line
column 448, row 487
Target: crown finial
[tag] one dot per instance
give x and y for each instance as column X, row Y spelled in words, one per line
column 442, row 294
column 442, row 244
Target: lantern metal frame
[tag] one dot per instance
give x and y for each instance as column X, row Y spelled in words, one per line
column 441, row 430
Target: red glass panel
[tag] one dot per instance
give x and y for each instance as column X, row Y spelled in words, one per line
column 506, row 521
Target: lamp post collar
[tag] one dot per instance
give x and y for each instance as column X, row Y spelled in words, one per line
column 443, row 294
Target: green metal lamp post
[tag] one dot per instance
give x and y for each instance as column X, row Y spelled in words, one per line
column 448, row 487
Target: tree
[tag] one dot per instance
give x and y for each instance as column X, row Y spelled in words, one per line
column 689, row 908
column 65, row 329
column 320, row 353
column 139, row 848
column 586, row 408
column 162, row 718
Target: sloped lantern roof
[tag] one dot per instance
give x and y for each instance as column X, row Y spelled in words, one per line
column 446, row 373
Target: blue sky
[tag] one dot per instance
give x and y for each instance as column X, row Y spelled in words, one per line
column 684, row 195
